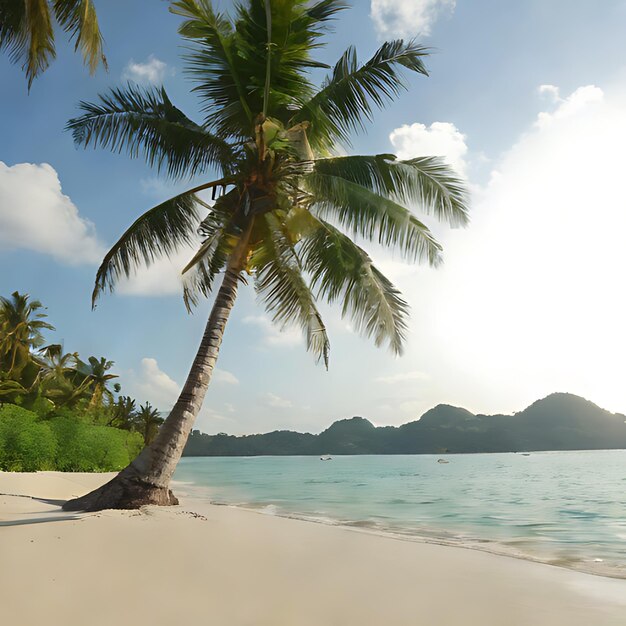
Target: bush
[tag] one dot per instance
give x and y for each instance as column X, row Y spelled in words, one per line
column 86, row 448
column 67, row 443
column 26, row 444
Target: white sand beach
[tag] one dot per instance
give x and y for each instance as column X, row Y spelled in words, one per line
column 203, row 564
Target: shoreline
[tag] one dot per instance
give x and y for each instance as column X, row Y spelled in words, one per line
column 485, row 546
column 199, row 561
column 479, row 545
column 528, row 538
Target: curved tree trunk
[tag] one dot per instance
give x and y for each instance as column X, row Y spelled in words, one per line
column 146, row 480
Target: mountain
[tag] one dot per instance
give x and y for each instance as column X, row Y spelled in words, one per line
column 559, row 422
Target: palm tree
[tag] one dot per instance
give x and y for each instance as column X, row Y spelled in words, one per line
column 59, row 378
column 149, row 420
column 124, row 413
column 281, row 200
column 96, row 379
column 21, row 326
column 27, row 32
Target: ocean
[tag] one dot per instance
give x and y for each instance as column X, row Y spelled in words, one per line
column 564, row 508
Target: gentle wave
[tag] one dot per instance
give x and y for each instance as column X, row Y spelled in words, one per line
column 564, row 508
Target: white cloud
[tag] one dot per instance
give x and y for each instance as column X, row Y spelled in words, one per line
column 441, row 139
column 36, row 215
column 408, row 18
column 272, row 334
column 578, row 102
column 225, row 377
column 152, row 71
column 530, row 299
column 153, row 385
column 276, row 402
column 402, row 377
column 551, row 92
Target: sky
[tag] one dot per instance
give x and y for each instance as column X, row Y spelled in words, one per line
column 526, row 99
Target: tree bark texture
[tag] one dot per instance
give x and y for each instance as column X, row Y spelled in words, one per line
column 146, row 480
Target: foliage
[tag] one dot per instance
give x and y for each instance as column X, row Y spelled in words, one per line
column 95, row 376
column 280, row 194
column 27, row 32
column 26, row 444
column 148, row 420
column 42, row 377
column 59, row 411
column 21, row 326
column 87, row 448
column 68, row 443
column 123, row 413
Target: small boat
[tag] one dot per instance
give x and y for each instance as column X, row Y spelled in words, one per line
column 326, row 458
column 525, row 453
column 442, row 461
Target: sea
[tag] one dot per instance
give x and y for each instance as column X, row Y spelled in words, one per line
column 562, row 508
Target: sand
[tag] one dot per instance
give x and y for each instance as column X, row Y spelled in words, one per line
column 202, row 564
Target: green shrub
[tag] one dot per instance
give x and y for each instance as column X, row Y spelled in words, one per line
column 83, row 447
column 67, row 443
column 41, row 406
column 26, row 444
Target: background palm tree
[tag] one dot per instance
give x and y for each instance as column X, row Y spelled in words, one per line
column 282, row 202
column 21, row 326
column 59, row 379
column 96, row 378
column 124, row 413
column 27, row 32
column 149, row 420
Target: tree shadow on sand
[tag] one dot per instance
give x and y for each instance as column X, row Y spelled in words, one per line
column 43, row 516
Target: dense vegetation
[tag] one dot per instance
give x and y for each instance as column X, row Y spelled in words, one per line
column 558, row 422
column 56, row 410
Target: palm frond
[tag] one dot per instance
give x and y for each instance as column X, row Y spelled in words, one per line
column 281, row 285
column 341, row 271
column 326, row 10
column 216, row 66
column 144, row 121
column 26, row 32
column 231, row 63
column 372, row 216
column 79, row 19
column 220, row 235
column 268, row 60
column 13, row 29
column 160, row 231
column 348, row 96
column 437, row 189
column 276, row 40
column 10, row 387
column 36, row 44
column 426, row 181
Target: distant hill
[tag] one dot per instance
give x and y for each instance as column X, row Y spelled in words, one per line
column 559, row 422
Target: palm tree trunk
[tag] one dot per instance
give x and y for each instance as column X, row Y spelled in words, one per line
column 95, row 398
column 146, row 480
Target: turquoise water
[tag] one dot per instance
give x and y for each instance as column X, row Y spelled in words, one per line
column 567, row 508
